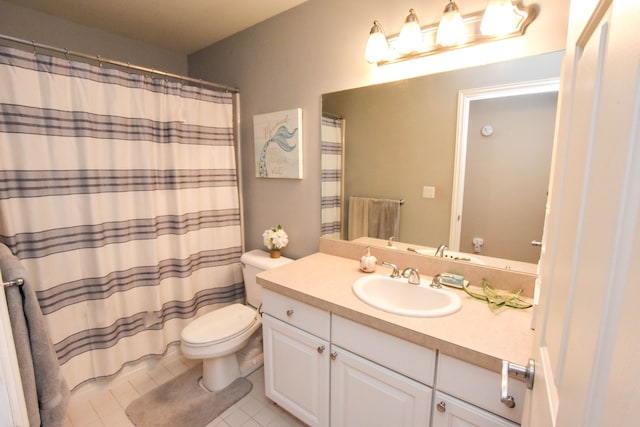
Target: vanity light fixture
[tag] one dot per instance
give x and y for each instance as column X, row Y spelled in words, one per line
column 501, row 19
column 451, row 29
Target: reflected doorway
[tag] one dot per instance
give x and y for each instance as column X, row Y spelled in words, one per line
column 505, row 158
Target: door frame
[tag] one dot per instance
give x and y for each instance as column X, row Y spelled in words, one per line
column 465, row 98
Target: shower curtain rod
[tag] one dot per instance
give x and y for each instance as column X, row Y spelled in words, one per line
column 101, row 60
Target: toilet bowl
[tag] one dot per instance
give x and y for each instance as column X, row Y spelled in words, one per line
column 217, row 336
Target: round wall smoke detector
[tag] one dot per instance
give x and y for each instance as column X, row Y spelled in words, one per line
column 487, row 130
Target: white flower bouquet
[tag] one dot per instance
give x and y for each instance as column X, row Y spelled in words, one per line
column 275, row 238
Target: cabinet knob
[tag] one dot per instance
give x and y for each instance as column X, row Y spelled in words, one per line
column 320, row 349
column 334, row 355
column 441, row 407
column 289, row 312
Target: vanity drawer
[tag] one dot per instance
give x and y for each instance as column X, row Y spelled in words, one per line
column 402, row 356
column 479, row 386
column 298, row 314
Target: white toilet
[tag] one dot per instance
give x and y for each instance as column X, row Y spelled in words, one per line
column 217, row 336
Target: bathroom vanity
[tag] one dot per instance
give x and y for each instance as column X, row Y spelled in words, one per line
column 331, row 359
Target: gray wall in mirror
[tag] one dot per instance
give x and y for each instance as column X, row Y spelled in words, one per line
column 507, row 175
column 400, row 137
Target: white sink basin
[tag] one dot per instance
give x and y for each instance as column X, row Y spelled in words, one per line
column 399, row 297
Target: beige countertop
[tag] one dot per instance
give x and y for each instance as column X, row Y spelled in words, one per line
column 474, row 334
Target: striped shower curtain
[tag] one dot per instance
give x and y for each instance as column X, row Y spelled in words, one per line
column 332, row 148
column 119, row 194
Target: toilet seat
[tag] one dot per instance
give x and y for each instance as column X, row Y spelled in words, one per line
column 220, row 325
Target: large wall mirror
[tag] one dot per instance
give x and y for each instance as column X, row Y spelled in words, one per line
column 397, row 142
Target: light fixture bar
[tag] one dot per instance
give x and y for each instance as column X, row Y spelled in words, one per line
column 524, row 15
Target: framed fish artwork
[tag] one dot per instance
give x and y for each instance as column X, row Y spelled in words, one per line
column 278, row 144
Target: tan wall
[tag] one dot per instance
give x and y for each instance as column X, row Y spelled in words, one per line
column 46, row 29
column 318, row 47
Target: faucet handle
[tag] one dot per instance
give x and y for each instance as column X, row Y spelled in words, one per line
column 435, row 282
column 412, row 274
column 395, row 274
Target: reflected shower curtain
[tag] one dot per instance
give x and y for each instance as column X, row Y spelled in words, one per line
column 332, row 147
column 119, row 194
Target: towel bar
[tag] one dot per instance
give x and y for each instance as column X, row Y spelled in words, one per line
column 16, row 282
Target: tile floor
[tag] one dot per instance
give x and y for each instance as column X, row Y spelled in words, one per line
column 104, row 406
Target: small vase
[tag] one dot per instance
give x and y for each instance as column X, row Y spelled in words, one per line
column 275, row 253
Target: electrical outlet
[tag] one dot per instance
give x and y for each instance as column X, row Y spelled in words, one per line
column 428, row 192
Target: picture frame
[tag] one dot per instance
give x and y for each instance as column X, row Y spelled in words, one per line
column 278, row 144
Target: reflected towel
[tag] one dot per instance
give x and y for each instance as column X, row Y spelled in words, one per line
column 369, row 217
column 358, row 217
column 45, row 390
column 384, row 218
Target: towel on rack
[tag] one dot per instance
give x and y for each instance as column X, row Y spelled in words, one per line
column 45, row 390
column 358, row 225
column 384, row 218
column 370, row 217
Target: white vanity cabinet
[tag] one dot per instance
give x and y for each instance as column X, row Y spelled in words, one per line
column 369, row 382
column 470, row 395
column 328, row 370
column 296, row 357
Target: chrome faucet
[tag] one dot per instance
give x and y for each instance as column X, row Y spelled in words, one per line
column 412, row 274
column 440, row 250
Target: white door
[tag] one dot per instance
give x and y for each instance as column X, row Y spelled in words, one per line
column 364, row 393
column 296, row 368
column 587, row 339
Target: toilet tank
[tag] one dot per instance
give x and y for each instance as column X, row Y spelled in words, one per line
column 254, row 262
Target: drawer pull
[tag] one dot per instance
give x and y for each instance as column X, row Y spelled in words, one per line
column 289, row 312
column 321, row 349
column 441, row 407
column 334, row 355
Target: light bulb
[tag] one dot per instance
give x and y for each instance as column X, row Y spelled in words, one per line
column 498, row 18
column 451, row 29
column 410, row 39
column 377, row 46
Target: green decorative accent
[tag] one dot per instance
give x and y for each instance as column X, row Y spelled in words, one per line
column 498, row 298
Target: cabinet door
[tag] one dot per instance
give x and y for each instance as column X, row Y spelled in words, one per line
column 366, row 394
column 449, row 411
column 296, row 369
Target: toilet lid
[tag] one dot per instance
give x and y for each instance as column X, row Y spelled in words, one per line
column 220, row 325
